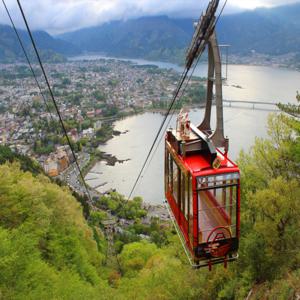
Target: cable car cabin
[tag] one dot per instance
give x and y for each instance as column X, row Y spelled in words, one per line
column 202, row 185
column 202, row 190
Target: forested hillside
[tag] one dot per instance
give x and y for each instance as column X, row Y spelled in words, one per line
column 49, row 251
column 51, row 49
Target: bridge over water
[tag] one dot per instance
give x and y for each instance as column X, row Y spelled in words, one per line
column 254, row 104
column 262, row 105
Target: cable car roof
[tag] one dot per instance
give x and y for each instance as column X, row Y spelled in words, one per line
column 199, row 165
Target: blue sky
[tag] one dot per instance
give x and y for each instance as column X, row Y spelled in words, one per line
column 56, row 16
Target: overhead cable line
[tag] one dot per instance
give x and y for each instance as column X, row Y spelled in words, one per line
column 180, row 83
column 53, row 99
column 159, row 130
column 171, row 115
column 184, row 89
column 196, row 44
column 31, row 67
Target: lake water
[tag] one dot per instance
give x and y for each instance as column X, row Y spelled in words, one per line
column 242, row 124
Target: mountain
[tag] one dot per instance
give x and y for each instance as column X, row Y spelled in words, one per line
column 269, row 31
column 273, row 31
column 143, row 37
column 51, row 48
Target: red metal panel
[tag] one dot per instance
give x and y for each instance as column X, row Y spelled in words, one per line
column 180, row 219
column 238, row 211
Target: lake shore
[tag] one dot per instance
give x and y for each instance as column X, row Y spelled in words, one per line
column 255, row 60
column 242, row 125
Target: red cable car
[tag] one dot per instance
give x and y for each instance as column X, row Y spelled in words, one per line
column 202, row 185
column 203, row 192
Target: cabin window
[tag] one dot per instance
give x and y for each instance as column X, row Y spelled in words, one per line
column 217, row 203
column 217, row 180
column 185, row 195
column 170, row 175
column 182, row 200
column 167, row 170
column 186, row 198
column 176, row 179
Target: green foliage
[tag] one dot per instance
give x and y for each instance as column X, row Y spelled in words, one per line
column 113, row 82
column 126, row 237
column 292, row 109
column 104, row 132
column 43, row 146
column 46, row 248
column 74, row 98
column 197, row 94
column 162, row 104
column 87, row 123
column 117, row 204
column 99, row 95
column 135, row 255
column 101, row 69
column 26, row 164
column 83, row 200
column 96, row 217
column 293, row 121
column 272, row 157
column 66, row 81
column 48, row 251
column 157, row 231
column 162, row 277
column 110, row 111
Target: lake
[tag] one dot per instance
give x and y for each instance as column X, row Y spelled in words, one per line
column 242, row 125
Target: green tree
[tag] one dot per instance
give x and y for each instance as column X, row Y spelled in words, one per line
column 46, row 247
column 135, row 255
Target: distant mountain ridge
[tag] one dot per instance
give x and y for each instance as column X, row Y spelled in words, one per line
column 143, row 37
column 273, row 31
column 51, row 48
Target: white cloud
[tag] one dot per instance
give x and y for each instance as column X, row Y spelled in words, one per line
column 250, row 4
column 63, row 15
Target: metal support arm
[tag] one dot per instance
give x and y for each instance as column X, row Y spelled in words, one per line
column 214, row 78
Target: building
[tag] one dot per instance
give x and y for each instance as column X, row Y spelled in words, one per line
column 89, row 133
column 90, row 114
column 51, row 167
column 59, row 161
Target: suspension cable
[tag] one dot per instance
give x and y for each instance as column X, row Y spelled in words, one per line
column 171, row 115
column 53, row 100
column 160, row 128
column 186, row 70
column 31, row 67
column 181, row 81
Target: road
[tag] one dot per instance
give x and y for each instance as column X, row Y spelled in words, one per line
column 71, row 176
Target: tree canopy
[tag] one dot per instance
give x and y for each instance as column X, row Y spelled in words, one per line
column 49, row 251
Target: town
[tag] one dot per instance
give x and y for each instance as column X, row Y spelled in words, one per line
column 90, row 96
